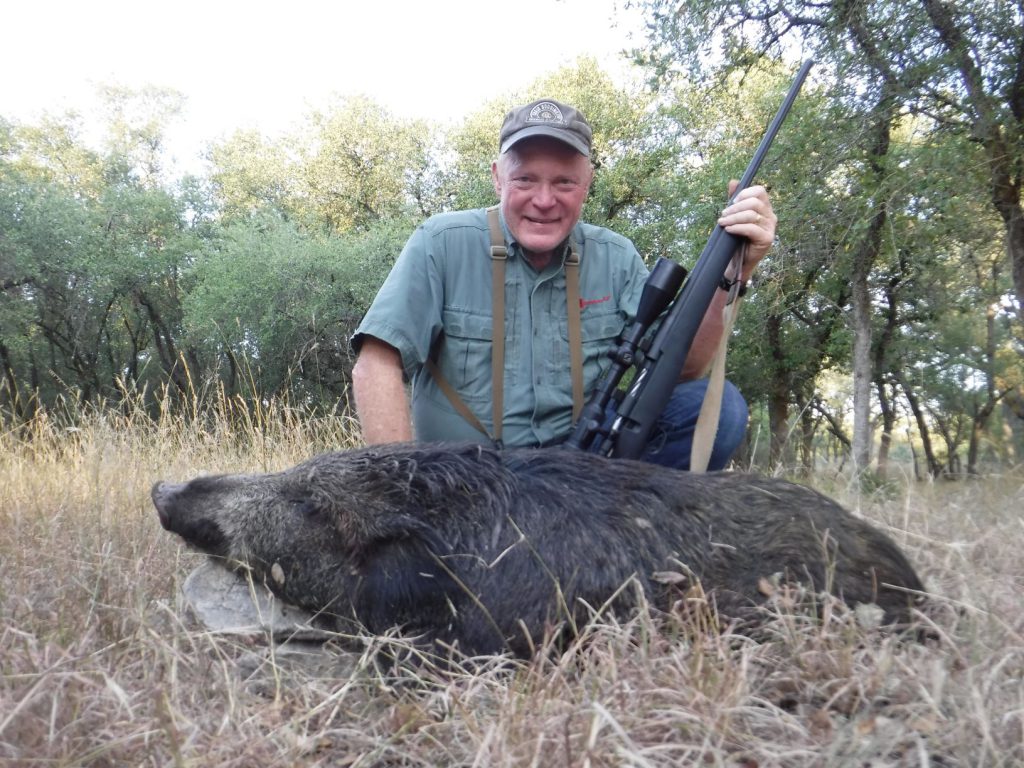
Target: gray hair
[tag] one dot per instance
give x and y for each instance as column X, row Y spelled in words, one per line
column 510, row 155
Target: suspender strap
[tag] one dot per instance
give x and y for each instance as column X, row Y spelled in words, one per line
column 572, row 299
column 453, row 397
column 499, row 255
column 497, row 236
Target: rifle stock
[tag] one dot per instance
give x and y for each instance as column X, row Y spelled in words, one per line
column 663, row 360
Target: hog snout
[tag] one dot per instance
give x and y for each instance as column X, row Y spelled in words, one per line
column 191, row 514
column 162, row 495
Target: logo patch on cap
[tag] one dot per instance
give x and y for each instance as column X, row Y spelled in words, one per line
column 545, row 112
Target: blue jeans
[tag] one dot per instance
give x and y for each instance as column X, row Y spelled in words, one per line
column 671, row 439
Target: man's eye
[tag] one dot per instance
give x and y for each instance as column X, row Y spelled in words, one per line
column 523, row 182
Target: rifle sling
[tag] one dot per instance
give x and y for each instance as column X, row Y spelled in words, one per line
column 499, row 256
column 711, row 408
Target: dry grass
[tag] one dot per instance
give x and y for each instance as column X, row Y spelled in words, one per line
column 97, row 667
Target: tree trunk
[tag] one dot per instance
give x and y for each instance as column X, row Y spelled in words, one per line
column 808, row 427
column 934, row 467
column 988, row 128
column 982, row 414
column 1013, row 424
column 913, row 455
column 888, row 422
column 979, row 420
column 883, row 360
column 778, row 397
column 864, row 258
column 778, row 423
column 13, row 396
column 861, row 363
column 171, row 360
column 1014, row 219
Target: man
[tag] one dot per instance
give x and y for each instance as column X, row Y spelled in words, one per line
column 432, row 320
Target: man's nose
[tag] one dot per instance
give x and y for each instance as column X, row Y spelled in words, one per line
column 544, row 195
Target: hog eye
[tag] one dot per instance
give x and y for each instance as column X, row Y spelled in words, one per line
column 303, row 507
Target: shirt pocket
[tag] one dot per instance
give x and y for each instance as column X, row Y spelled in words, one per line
column 465, row 355
column 598, row 333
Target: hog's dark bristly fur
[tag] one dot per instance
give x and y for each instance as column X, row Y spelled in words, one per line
column 476, row 548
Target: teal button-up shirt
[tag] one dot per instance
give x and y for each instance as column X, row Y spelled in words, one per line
column 437, row 298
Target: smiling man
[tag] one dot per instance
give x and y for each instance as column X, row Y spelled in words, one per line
column 511, row 365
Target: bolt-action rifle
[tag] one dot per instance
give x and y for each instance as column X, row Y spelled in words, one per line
column 659, row 362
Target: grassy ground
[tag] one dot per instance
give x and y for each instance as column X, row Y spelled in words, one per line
column 97, row 666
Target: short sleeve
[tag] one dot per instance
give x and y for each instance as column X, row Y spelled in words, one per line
column 629, row 298
column 407, row 311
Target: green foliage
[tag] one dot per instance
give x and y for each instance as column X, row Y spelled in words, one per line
column 251, row 281
column 53, row 151
column 359, row 162
column 921, row 135
column 250, row 174
column 79, row 274
column 349, row 167
column 136, row 122
column 278, row 304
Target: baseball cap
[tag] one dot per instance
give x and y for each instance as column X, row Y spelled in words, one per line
column 546, row 117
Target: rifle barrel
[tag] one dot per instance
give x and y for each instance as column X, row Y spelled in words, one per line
column 652, row 386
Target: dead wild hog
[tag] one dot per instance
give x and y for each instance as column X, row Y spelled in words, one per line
column 465, row 545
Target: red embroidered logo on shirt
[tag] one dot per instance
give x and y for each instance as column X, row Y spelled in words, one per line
column 584, row 303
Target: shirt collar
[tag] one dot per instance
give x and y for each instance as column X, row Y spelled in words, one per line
column 516, row 250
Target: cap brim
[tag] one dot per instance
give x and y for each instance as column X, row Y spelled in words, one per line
column 543, row 130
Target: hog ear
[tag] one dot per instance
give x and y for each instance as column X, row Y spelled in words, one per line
column 368, row 524
column 404, row 581
column 361, row 521
column 418, row 480
column 402, row 527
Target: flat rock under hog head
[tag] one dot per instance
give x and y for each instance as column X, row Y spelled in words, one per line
column 488, row 550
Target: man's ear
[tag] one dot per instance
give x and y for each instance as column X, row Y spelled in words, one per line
column 496, row 178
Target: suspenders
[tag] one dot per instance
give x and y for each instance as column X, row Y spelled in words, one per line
column 499, row 256
column 707, row 422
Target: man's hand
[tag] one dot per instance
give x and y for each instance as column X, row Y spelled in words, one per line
column 751, row 216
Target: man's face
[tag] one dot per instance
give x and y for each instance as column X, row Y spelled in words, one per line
column 542, row 184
